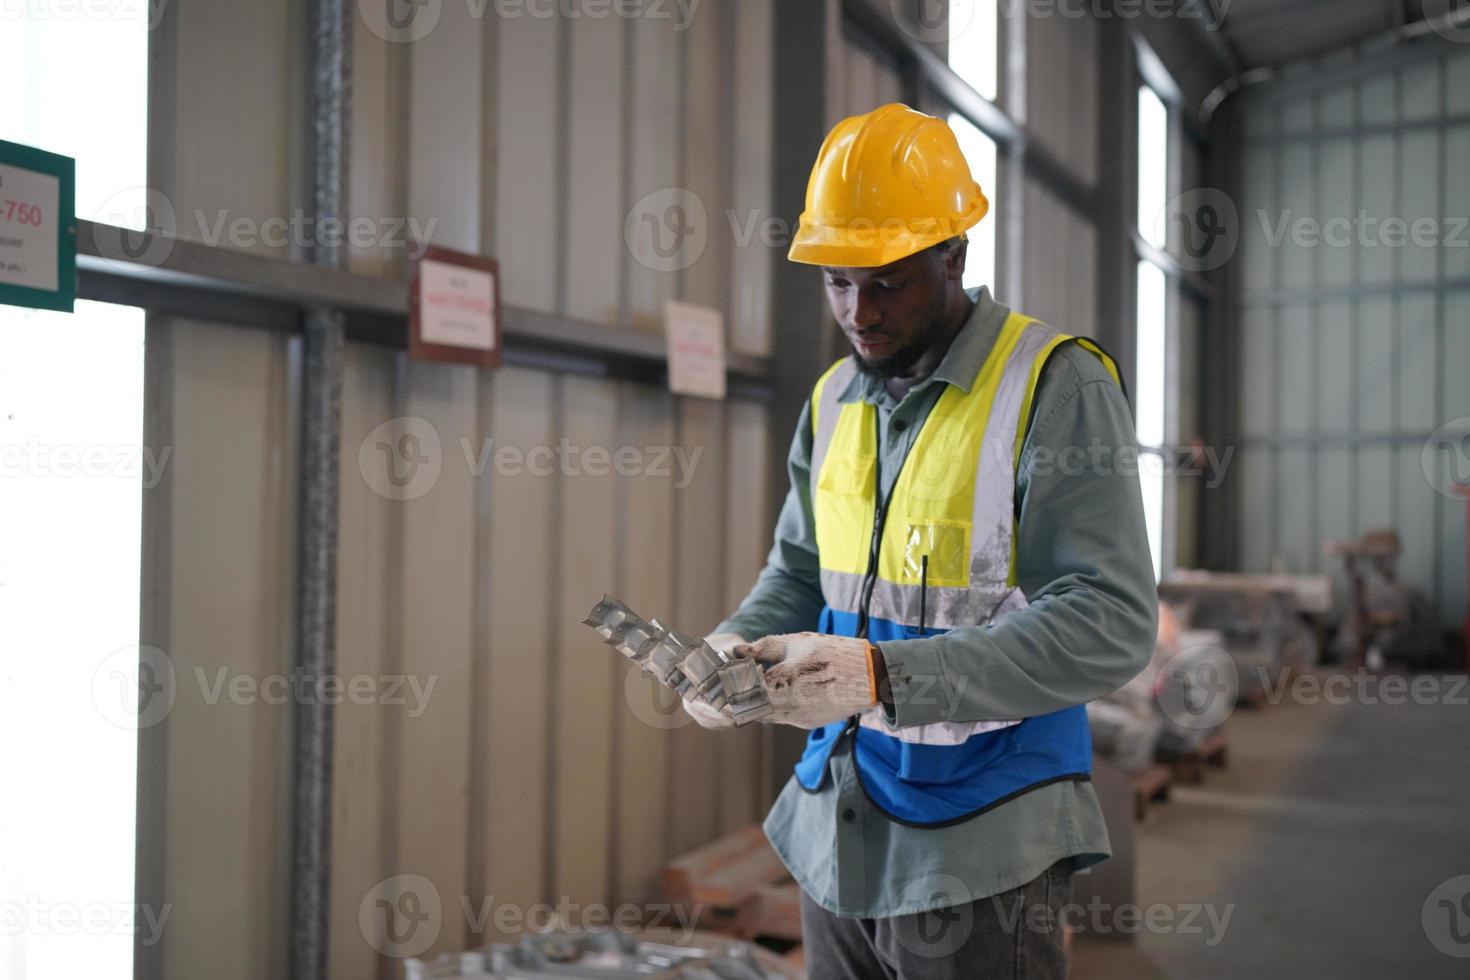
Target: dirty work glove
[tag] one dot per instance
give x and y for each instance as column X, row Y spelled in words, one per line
column 707, row 716
column 815, row 679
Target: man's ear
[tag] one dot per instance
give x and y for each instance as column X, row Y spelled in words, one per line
column 954, row 260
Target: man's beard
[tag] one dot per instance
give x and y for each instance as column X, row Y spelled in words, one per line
column 900, row 361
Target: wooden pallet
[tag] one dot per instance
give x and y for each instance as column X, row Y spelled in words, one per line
column 737, row 886
column 1150, row 785
column 1190, row 767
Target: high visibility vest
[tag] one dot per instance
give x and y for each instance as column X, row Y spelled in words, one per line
column 938, row 554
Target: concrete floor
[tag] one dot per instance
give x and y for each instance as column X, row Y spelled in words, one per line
column 1323, row 840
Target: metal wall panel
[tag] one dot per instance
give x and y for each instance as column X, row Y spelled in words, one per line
column 594, row 217
column 581, row 712
column 515, row 657
column 750, row 292
column 528, row 149
column 532, row 773
column 367, row 615
column 214, row 788
column 1365, row 168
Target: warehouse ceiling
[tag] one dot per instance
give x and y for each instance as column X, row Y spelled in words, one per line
column 1272, row 33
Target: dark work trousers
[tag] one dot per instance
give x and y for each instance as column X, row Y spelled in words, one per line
column 1015, row 935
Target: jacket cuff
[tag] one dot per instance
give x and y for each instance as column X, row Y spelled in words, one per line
column 918, row 685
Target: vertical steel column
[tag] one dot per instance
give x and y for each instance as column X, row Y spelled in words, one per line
column 321, row 419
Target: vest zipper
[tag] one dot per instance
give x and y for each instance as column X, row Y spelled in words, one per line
column 880, row 515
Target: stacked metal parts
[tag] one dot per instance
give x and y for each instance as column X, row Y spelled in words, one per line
column 577, row 956
column 687, row 665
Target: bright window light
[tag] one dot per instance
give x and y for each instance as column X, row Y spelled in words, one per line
column 974, row 30
column 1149, row 398
column 979, row 151
column 1153, row 167
column 71, row 476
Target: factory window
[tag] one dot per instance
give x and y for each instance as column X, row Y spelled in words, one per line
column 71, row 476
column 979, row 151
column 973, row 30
column 1150, row 396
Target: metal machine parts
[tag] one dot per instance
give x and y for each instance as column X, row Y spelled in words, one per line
column 686, row 665
column 564, row 955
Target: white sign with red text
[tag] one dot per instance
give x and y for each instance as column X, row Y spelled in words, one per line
column 29, row 226
column 456, row 305
column 696, row 339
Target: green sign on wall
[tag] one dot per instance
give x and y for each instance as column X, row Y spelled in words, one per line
column 38, row 228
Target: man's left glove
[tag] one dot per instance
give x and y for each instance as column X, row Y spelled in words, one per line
column 815, row 679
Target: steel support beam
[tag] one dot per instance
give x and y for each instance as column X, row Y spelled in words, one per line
column 324, row 329
column 174, row 276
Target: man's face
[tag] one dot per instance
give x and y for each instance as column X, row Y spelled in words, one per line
column 891, row 314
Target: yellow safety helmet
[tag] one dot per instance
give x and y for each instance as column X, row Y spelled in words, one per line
column 886, row 184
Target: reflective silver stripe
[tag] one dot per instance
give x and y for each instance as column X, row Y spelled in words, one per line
column 828, row 408
column 935, row 733
column 995, row 475
column 842, row 590
column 944, row 608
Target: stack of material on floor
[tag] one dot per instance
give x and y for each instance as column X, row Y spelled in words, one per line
column 739, row 887
column 686, row 665
column 1126, row 724
column 1259, row 617
column 568, row 955
column 1195, row 690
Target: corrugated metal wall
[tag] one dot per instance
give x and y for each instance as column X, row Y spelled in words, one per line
column 1355, row 339
column 1059, row 258
column 536, row 772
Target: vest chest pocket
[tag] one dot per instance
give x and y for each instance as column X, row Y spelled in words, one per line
column 842, row 507
column 947, row 545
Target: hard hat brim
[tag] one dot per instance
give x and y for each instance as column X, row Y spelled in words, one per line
column 817, row 243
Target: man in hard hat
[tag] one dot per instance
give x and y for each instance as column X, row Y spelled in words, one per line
column 960, row 566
